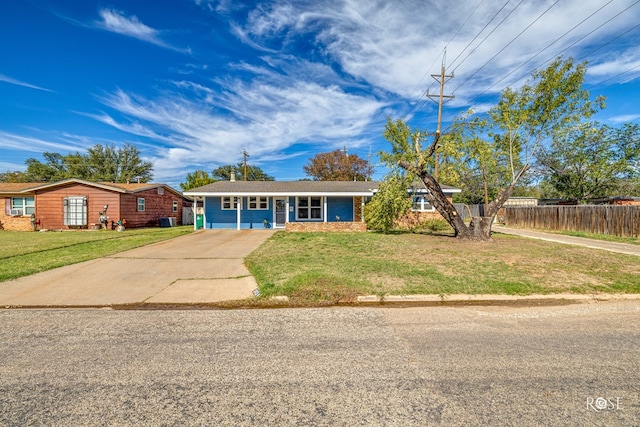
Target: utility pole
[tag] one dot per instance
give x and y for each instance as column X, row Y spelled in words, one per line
column 245, row 155
column 440, row 78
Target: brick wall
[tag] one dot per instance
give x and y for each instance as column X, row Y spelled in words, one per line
column 15, row 223
column 156, row 206
column 326, row 226
column 413, row 219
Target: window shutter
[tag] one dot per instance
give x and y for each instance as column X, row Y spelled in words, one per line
column 7, row 205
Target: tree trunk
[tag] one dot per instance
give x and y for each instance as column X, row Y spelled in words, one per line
column 479, row 229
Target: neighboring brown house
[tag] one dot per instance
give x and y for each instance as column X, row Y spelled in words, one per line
column 77, row 204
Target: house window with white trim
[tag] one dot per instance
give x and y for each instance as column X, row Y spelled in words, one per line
column 141, row 204
column 309, row 208
column 229, row 203
column 258, row 203
column 74, row 211
column 24, row 205
column 421, row 204
column 175, row 206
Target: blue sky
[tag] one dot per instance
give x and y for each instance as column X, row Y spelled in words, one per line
column 192, row 83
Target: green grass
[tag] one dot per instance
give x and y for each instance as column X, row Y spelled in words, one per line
column 24, row 253
column 339, row 266
column 605, row 237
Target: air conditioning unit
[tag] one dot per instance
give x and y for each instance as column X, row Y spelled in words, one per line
column 16, row 212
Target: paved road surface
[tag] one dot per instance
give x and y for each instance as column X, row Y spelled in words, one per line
column 438, row 366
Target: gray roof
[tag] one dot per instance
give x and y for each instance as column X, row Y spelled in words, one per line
column 288, row 188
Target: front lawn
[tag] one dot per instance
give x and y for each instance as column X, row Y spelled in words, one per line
column 23, row 253
column 339, row 266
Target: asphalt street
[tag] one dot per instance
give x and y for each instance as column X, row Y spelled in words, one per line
column 442, row 366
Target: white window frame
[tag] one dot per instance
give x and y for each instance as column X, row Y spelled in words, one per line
column 309, row 208
column 226, row 205
column 21, row 203
column 174, row 208
column 419, row 205
column 141, row 204
column 74, row 211
column 258, row 203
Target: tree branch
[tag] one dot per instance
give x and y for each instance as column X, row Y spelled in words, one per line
column 504, row 194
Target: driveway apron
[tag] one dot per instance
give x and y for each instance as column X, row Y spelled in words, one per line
column 206, row 266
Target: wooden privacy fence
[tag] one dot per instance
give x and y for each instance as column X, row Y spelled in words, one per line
column 600, row 219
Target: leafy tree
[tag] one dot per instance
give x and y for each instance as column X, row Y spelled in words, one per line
column 591, row 160
column 504, row 140
column 101, row 163
column 53, row 170
column 389, row 203
column 15, row 176
column 108, row 163
column 338, row 166
column 196, row 179
column 254, row 173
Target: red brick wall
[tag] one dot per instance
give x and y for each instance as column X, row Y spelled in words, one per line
column 156, row 206
column 325, row 226
column 14, row 223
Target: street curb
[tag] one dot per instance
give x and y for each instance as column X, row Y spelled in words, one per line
column 463, row 298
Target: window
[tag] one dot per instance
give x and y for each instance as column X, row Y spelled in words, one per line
column 75, row 211
column 227, row 204
column 258, row 203
column 175, row 206
column 421, row 204
column 141, row 204
column 25, row 205
column 309, row 208
column 160, row 191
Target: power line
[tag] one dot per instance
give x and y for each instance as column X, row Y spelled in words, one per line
column 465, row 23
column 420, row 82
column 617, row 75
column 436, row 58
column 600, row 26
column 545, row 48
column 572, row 44
column 481, row 31
column 507, row 45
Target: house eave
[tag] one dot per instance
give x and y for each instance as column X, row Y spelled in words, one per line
column 281, row 194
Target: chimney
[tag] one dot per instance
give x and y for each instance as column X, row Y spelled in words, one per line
column 233, row 177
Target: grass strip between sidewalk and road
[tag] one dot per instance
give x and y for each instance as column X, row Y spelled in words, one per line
column 603, row 237
column 25, row 253
column 339, row 266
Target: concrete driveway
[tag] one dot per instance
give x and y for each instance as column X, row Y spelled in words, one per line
column 206, row 266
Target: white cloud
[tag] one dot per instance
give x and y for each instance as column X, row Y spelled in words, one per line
column 117, row 22
column 624, row 118
column 362, row 56
column 391, row 45
column 12, row 81
column 10, row 167
column 266, row 116
column 11, row 141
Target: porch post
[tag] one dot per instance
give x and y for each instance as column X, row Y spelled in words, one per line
column 286, row 207
column 325, row 208
column 194, row 208
column 362, row 208
column 238, row 206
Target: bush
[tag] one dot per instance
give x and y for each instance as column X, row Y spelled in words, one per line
column 436, row 225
